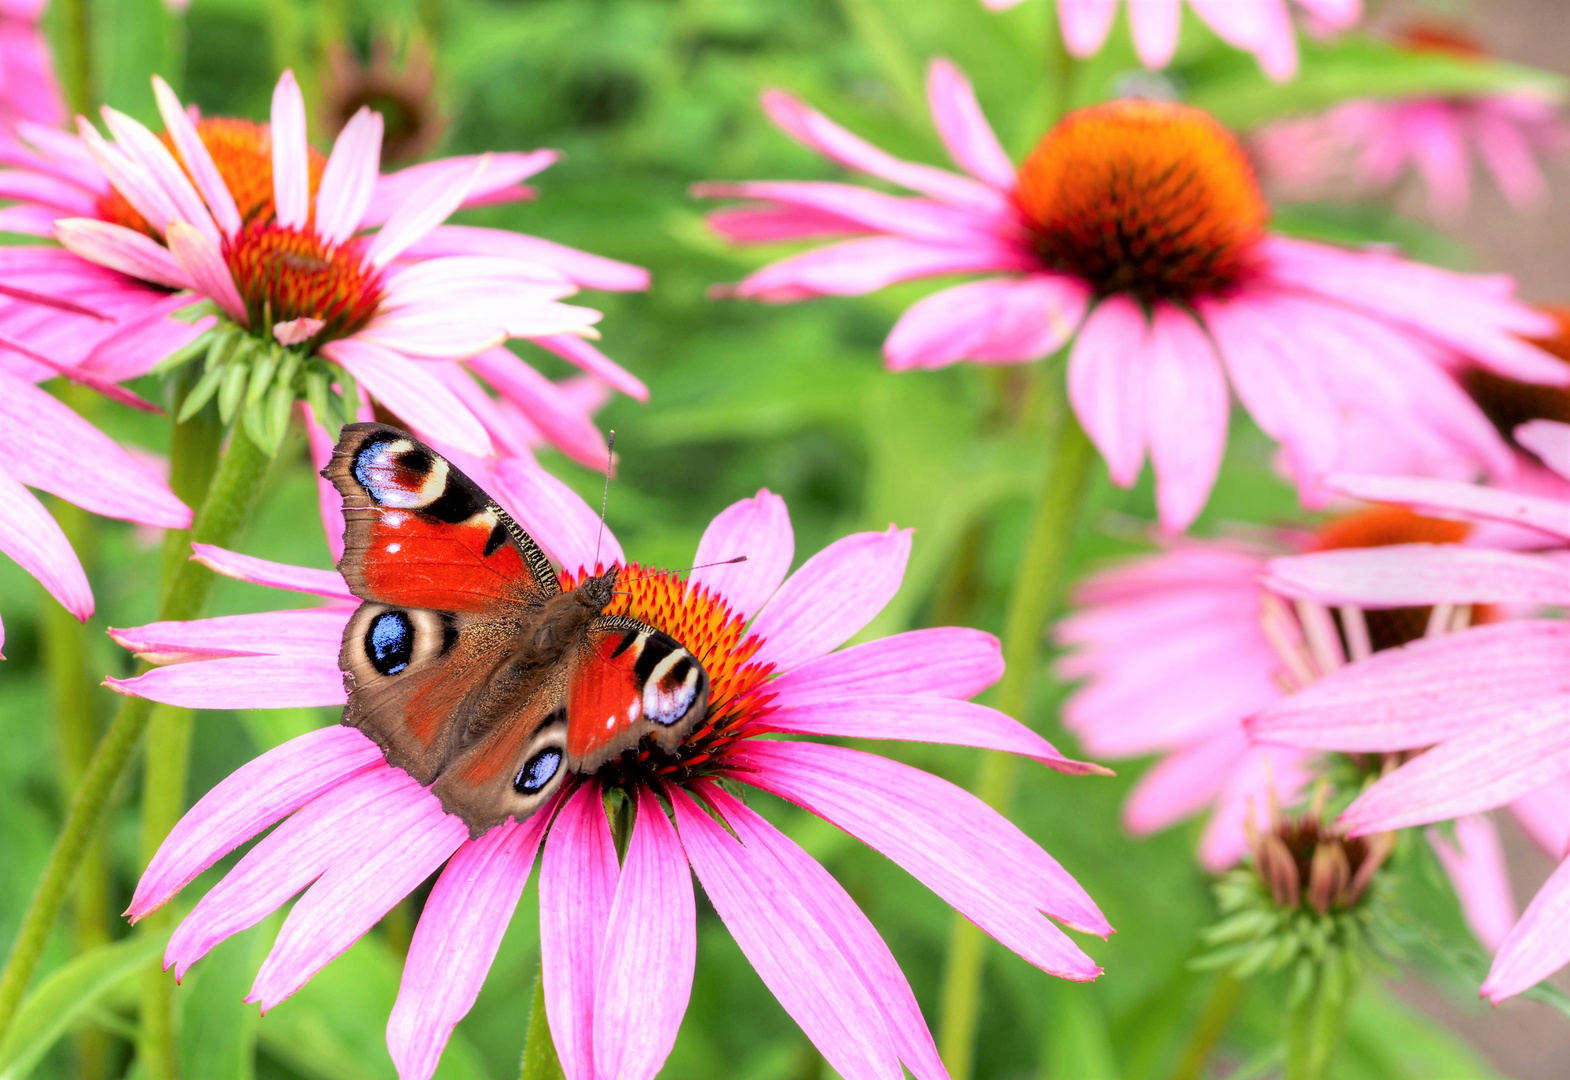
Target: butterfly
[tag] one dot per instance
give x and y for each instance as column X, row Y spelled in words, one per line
column 467, row 663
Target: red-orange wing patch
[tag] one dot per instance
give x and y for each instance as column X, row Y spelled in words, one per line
column 632, row 681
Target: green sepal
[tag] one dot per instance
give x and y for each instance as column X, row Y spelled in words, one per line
column 184, row 355
column 262, row 375
column 200, row 394
column 231, row 389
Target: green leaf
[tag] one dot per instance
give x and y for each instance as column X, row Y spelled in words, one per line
column 1079, row 1044
column 68, row 994
column 217, row 1026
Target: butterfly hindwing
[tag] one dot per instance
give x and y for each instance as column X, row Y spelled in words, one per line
column 420, row 534
column 632, row 681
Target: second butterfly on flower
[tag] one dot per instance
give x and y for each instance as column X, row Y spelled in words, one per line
column 484, row 675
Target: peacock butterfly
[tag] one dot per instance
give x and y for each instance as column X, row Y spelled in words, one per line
column 467, row 663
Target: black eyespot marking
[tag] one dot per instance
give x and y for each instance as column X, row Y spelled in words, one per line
column 537, row 772
column 497, row 538
column 677, row 675
column 657, row 648
column 626, row 642
column 449, row 632
column 389, row 642
column 417, row 460
column 454, row 504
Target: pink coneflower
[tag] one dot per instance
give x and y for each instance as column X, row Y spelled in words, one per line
column 47, row 446
column 1179, row 648
column 618, row 942
column 1485, row 708
column 1135, row 230
column 1261, row 27
column 249, row 218
column 1373, row 143
column 28, row 90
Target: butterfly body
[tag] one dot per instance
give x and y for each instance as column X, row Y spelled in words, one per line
column 467, row 663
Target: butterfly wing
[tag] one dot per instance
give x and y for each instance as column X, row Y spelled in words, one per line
column 631, row 681
column 436, row 660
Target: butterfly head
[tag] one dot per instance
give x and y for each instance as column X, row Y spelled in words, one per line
column 598, row 590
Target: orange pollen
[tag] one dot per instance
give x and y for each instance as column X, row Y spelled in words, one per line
column 1508, row 403
column 1143, row 197
column 738, row 687
column 1445, row 38
column 242, row 151
column 286, row 274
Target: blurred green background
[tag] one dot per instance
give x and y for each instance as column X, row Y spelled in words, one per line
column 646, row 97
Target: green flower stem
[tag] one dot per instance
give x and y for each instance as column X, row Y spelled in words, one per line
column 1313, row 1027
column 539, row 1052
column 219, row 521
column 76, row 50
column 1219, row 1006
column 1038, row 582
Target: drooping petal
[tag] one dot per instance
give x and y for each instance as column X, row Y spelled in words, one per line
column 251, row 682
column 1425, row 692
column 552, row 513
column 248, row 801
column 424, row 211
column 583, row 355
column 205, row 267
column 858, row 267
column 1544, row 815
column 416, row 395
column 651, row 949
column 327, row 583
column 193, row 153
column 350, row 177
column 1474, row 860
column 309, row 632
column 1538, row 945
column 924, row 718
column 30, row 536
column 862, row 209
column 1406, row 575
column 328, row 500
column 791, row 952
column 590, row 271
column 291, row 155
column 964, row 128
column 952, row 842
column 1107, row 380
column 849, row 929
column 1517, row 753
column 949, row 661
column 578, row 878
column 456, row 940
column 833, row 594
column 1546, row 515
column 1188, row 410
column 563, row 423
column 1550, row 441
column 1183, row 783
column 998, row 321
column 758, row 528
column 121, row 249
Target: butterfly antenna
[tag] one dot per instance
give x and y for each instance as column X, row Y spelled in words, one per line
column 688, row 570
column 605, row 499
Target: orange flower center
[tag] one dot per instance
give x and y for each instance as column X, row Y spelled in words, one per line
column 286, row 274
column 1143, row 197
column 1509, row 403
column 242, row 151
column 1382, row 526
column 738, row 687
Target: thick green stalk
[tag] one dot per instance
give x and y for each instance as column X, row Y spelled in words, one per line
column 1313, row 1028
column 1219, row 1006
column 76, row 49
column 219, row 521
column 539, row 1052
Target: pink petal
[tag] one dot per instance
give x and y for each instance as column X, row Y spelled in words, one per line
column 233, row 682
column 291, row 166
column 204, row 265
column 136, row 346
column 57, row 195
column 1550, row 441
column 578, row 880
column 327, row 583
column 1086, row 24
column 193, row 152
column 1475, row 863
column 1507, row 151
column 949, row 661
column 327, row 497
column 583, row 355
column 1188, row 410
column 350, row 177
column 1243, row 798
column 1405, row 575
column 148, row 151
column 121, row 249
column 456, row 941
column 1425, row 692
column 49, row 446
column 794, row 956
column 30, row 536
column 249, row 801
column 772, row 223
column 1003, row 320
column 948, row 839
column 1538, row 945
column 857, row 267
column 1551, row 516
column 1544, row 815
column 832, row 596
column 758, row 528
column 344, row 822
column 964, row 128
column 128, row 177
column 397, row 852
column 862, row 208
column 651, row 949
column 500, row 182
column 848, row 929
column 308, row 632
column 1155, row 25
column 1107, row 376
column 923, row 719
column 1183, row 783
column 590, row 271
column 417, row 396
column 1517, row 753
column 424, row 211
column 551, row 512
column 558, row 417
